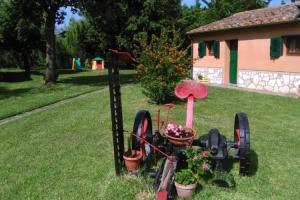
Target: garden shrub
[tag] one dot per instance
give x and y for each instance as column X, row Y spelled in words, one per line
column 162, row 64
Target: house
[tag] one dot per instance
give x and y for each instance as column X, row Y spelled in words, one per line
column 98, row 63
column 257, row 49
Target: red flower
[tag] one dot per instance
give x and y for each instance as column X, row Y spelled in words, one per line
column 205, row 166
column 195, row 158
column 205, row 154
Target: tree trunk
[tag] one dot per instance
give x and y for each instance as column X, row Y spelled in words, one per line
column 51, row 73
column 26, row 65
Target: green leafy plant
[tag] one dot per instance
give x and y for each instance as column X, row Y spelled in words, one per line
column 130, row 153
column 199, row 167
column 186, row 177
column 162, row 65
column 199, row 161
column 200, row 77
column 129, row 142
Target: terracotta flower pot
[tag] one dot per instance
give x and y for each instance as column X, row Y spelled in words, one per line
column 181, row 141
column 185, row 191
column 132, row 159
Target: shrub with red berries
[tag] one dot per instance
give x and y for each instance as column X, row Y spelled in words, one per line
column 162, row 65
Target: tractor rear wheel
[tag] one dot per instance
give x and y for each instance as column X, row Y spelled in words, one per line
column 242, row 140
column 142, row 129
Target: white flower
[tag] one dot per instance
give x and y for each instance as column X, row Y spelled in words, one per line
column 180, row 128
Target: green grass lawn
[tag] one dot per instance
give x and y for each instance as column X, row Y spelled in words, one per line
column 67, row 153
column 19, row 97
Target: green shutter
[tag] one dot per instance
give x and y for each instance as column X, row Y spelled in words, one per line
column 201, row 49
column 276, row 47
column 216, row 46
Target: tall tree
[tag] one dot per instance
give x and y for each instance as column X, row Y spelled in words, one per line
column 195, row 16
column 149, row 17
column 20, row 30
column 49, row 13
column 50, row 9
column 120, row 21
column 77, row 39
column 197, row 4
column 73, row 36
column 218, row 9
column 191, row 17
column 108, row 19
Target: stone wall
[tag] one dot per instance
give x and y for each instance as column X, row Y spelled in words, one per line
column 214, row 74
column 282, row 82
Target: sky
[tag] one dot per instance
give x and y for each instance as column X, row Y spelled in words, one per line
column 187, row 2
column 67, row 18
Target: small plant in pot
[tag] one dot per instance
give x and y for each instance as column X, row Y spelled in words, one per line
column 199, row 168
column 202, row 79
column 186, row 183
column 132, row 157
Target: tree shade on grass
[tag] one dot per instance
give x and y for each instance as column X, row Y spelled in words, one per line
column 73, row 157
column 24, row 96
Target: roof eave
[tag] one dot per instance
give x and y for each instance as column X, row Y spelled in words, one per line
column 190, row 33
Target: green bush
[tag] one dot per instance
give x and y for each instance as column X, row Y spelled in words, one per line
column 162, row 65
column 186, row 177
column 199, row 161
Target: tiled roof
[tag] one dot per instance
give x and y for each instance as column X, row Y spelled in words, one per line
column 264, row 16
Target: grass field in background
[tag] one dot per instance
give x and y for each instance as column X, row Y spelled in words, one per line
column 67, row 152
column 24, row 96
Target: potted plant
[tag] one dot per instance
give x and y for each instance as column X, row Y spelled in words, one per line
column 132, row 157
column 177, row 134
column 199, row 167
column 202, row 79
column 185, row 183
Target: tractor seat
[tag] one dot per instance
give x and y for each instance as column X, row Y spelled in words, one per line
column 191, row 88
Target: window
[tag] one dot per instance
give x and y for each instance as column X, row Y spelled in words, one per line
column 201, row 49
column 293, row 45
column 210, row 47
column 276, row 47
column 214, row 48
